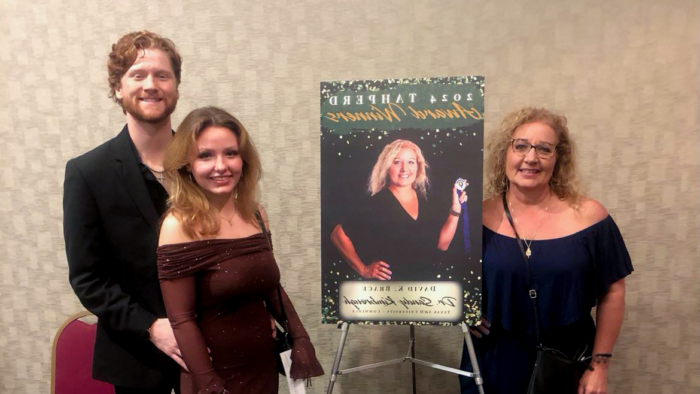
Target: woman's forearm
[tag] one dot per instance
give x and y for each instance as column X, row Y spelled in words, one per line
column 447, row 233
column 347, row 249
column 609, row 315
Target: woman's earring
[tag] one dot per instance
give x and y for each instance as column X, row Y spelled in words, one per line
column 192, row 178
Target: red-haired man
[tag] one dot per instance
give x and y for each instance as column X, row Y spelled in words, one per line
column 113, row 199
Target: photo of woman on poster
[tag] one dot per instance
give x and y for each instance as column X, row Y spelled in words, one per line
column 396, row 234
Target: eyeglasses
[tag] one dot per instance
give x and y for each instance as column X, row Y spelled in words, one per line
column 544, row 150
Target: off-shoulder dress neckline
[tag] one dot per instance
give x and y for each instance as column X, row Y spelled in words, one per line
column 579, row 232
column 215, row 240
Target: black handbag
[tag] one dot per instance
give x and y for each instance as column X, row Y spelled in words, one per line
column 554, row 372
column 283, row 341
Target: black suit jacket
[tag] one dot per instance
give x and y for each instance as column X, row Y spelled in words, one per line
column 110, row 227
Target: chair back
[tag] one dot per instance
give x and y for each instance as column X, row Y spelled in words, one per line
column 71, row 364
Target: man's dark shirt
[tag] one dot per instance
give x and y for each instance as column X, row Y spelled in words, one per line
column 158, row 194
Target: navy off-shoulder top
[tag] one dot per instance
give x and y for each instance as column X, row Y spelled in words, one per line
column 571, row 273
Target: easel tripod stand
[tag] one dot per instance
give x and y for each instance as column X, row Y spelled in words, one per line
column 410, row 357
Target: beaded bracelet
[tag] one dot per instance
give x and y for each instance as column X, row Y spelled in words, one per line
column 601, row 358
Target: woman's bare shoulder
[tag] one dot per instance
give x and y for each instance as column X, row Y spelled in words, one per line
column 263, row 215
column 590, row 211
column 492, row 212
column 172, row 231
column 492, row 204
column 262, row 211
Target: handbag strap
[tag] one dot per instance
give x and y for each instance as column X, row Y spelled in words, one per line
column 532, row 293
column 261, row 223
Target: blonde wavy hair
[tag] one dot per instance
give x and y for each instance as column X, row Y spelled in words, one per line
column 377, row 179
column 187, row 200
column 564, row 182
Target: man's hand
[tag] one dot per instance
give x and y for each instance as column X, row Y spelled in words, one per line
column 162, row 336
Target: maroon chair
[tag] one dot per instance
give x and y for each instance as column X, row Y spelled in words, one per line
column 71, row 364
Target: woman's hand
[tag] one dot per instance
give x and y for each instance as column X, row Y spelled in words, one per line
column 482, row 329
column 594, row 382
column 274, row 327
column 458, row 199
column 377, row 270
column 609, row 314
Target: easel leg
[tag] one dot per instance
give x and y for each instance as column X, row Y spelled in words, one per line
column 410, row 357
column 412, row 344
column 338, row 355
column 472, row 358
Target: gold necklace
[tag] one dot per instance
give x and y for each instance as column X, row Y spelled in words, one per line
column 160, row 175
column 229, row 221
column 528, row 252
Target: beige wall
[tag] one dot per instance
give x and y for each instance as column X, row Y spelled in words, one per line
column 624, row 72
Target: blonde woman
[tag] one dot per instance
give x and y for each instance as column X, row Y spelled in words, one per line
column 575, row 250
column 218, row 275
column 398, row 230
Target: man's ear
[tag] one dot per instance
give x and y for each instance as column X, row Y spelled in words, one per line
column 118, row 91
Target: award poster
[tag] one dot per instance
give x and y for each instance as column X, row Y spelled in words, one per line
column 401, row 192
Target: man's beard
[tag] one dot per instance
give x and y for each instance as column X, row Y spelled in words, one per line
column 139, row 115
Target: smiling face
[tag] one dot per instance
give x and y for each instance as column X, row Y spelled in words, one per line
column 403, row 169
column 217, row 164
column 531, row 171
column 148, row 90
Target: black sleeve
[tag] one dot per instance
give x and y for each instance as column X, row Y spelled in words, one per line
column 359, row 222
column 88, row 271
column 611, row 258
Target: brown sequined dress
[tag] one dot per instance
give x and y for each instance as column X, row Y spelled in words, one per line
column 219, row 294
